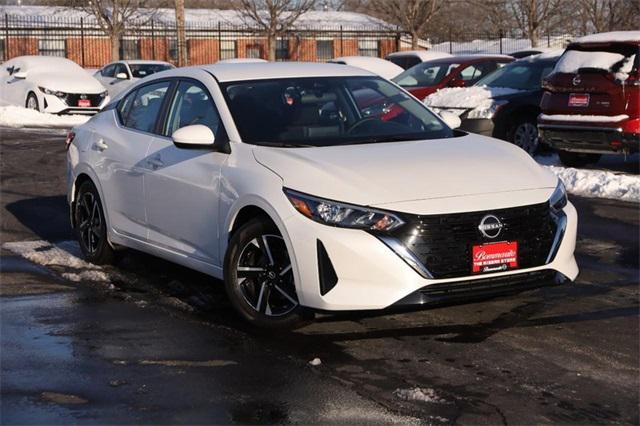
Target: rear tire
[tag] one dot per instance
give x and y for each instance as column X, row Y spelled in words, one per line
column 91, row 226
column 32, row 102
column 577, row 159
column 259, row 279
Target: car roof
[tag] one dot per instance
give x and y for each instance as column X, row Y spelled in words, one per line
column 143, row 61
column 470, row 58
column 424, row 55
column 261, row 71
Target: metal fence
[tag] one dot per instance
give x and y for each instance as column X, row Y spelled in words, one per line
column 85, row 43
column 499, row 42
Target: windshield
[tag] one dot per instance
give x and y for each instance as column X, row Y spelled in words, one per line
column 518, row 75
column 425, row 74
column 324, row 111
column 143, row 70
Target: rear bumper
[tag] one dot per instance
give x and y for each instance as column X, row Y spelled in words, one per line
column 589, row 139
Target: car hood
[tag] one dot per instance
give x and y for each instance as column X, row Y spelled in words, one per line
column 384, row 173
column 469, row 97
column 69, row 83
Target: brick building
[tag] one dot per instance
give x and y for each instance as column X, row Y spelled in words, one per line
column 211, row 35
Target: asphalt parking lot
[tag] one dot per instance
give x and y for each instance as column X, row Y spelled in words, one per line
column 155, row 343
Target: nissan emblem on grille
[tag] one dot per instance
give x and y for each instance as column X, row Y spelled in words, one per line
column 83, row 96
column 490, row 226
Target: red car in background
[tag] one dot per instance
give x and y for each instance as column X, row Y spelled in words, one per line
column 591, row 104
column 455, row 71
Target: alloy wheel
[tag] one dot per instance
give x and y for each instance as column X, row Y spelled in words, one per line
column 526, row 137
column 265, row 277
column 32, row 103
column 90, row 222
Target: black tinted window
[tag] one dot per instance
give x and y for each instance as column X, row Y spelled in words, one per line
column 193, row 105
column 143, row 70
column 109, row 71
column 145, row 107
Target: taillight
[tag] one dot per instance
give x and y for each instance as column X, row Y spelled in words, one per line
column 631, row 126
column 69, row 140
column 633, row 79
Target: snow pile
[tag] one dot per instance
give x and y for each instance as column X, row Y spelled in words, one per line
column 584, row 118
column 64, row 255
column 14, row 116
column 599, row 183
column 467, row 97
column 493, row 46
column 573, row 60
column 610, row 36
column 418, row 394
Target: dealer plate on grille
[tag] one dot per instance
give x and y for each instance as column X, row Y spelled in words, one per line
column 494, row 257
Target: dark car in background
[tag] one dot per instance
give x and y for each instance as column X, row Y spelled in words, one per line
column 456, row 71
column 504, row 104
column 591, row 102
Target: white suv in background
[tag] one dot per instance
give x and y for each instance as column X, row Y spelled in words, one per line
column 314, row 187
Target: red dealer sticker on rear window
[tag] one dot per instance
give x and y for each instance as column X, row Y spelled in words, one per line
column 495, row 257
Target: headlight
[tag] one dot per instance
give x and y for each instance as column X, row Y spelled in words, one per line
column 52, row 92
column 342, row 215
column 559, row 197
column 486, row 111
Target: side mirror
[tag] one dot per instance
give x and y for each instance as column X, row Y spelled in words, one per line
column 457, row 82
column 451, row 119
column 122, row 76
column 20, row 75
column 196, row 136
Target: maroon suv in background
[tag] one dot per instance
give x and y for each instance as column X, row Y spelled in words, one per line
column 591, row 103
column 455, row 71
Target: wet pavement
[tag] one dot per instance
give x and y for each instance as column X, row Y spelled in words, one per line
column 150, row 342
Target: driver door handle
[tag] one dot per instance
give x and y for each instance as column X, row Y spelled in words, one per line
column 100, row 145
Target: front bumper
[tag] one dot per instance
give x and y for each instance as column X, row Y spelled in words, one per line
column 480, row 126
column 589, row 139
column 54, row 105
column 371, row 276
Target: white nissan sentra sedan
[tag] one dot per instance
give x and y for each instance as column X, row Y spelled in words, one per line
column 314, row 187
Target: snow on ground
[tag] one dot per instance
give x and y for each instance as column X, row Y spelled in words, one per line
column 466, row 97
column 65, row 255
column 594, row 183
column 18, row 117
column 418, row 394
column 509, row 45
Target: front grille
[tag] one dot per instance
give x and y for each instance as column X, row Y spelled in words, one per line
column 443, row 243
column 72, row 99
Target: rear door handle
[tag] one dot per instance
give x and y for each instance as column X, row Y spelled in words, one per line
column 100, row 145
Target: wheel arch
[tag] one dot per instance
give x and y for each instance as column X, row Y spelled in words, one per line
column 514, row 116
column 82, row 177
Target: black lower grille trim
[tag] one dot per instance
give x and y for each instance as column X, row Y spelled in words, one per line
column 443, row 243
column 481, row 288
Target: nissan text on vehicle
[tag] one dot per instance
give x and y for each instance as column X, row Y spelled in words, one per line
column 591, row 104
column 50, row 84
column 280, row 180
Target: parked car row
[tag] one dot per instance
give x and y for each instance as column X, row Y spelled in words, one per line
column 582, row 102
column 60, row 86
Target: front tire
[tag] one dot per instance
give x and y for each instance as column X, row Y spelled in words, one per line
column 576, row 159
column 259, row 279
column 32, row 102
column 524, row 134
column 91, row 226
